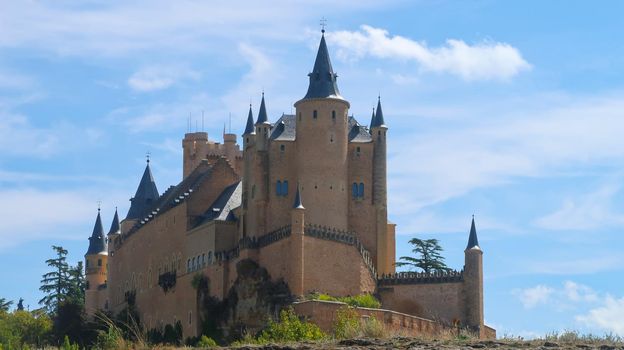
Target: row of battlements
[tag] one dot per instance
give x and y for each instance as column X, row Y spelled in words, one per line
column 452, row 276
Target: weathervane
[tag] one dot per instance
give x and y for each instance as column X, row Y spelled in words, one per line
column 147, row 156
column 323, row 24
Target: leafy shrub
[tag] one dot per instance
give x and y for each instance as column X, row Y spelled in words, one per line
column 69, row 346
column 347, row 323
column 290, row 329
column 362, row 300
column 373, row 328
column 206, row 342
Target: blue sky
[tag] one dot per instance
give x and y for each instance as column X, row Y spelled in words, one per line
column 509, row 110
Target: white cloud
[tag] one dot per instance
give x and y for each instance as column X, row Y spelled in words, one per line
column 571, row 294
column 37, row 214
column 487, row 147
column 120, row 27
column 158, row 77
column 573, row 265
column 531, row 297
column 607, row 317
column 590, row 211
column 482, row 61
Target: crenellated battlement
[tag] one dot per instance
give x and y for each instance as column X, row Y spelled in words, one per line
column 421, row 278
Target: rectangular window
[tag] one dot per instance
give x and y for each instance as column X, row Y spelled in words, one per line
column 361, row 190
column 285, row 188
column 278, row 188
column 99, row 262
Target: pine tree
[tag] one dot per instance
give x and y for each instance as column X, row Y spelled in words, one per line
column 55, row 283
column 77, row 284
column 428, row 257
column 5, row 304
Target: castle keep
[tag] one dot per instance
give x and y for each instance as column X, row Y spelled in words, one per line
column 301, row 208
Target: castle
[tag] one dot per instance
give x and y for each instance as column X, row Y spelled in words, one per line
column 304, row 201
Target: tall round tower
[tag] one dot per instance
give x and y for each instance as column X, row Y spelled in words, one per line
column 322, row 144
column 96, row 267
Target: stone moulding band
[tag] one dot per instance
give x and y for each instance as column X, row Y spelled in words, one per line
column 421, row 278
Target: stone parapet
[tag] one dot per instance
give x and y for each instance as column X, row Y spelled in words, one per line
column 421, row 278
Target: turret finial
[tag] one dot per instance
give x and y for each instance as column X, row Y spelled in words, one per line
column 147, row 156
column 323, row 24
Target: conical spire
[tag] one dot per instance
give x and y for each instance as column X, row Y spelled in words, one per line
column 115, row 227
column 298, row 204
column 145, row 195
column 322, row 79
column 262, row 114
column 249, row 129
column 372, row 119
column 97, row 241
column 473, row 241
column 378, row 120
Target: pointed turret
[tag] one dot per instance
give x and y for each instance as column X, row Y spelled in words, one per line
column 372, row 120
column 473, row 241
column 322, row 78
column 145, row 195
column 378, row 119
column 115, row 227
column 249, row 128
column 97, row 241
column 262, row 114
column 298, row 204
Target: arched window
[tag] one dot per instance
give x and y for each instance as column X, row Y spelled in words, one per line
column 278, row 188
column 354, row 190
column 193, row 265
column 203, row 260
column 361, row 190
column 315, row 114
column 188, row 265
column 285, row 188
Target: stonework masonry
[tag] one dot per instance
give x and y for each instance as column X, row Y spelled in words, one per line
column 305, row 199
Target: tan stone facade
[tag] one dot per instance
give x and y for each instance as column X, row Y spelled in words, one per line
column 236, row 205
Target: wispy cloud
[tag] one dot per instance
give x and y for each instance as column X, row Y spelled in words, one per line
column 590, row 211
column 159, row 77
column 607, row 317
column 560, row 298
column 486, row 60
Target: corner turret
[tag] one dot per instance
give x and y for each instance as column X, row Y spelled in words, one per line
column 262, row 127
column 297, row 224
column 473, row 282
column 96, row 260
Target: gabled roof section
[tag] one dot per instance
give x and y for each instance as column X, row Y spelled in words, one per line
column 473, row 241
column 378, row 120
column 115, row 227
column 222, row 208
column 249, row 128
column 322, row 78
column 262, row 114
column 284, row 129
column 357, row 132
column 97, row 241
column 145, row 196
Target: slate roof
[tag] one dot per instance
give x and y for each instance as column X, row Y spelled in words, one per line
column 357, row 132
column 323, row 79
column 222, row 208
column 175, row 195
column 249, row 128
column 145, row 196
column 284, row 129
column 298, row 204
column 262, row 114
column 97, row 241
column 115, row 227
column 378, row 119
column 473, row 241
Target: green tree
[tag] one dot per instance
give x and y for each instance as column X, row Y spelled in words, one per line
column 55, row 283
column 76, row 284
column 427, row 256
column 5, row 304
column 20, row 304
